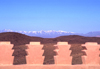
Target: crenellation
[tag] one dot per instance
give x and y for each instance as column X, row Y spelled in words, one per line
column 35, row 53
column 92, row 53
column 63, row 51
column 6, row 52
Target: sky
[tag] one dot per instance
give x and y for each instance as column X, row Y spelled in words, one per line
column 80, row 16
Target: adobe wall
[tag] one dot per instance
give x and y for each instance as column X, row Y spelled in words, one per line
column 63, row 52
column 34, row 53
column 51, row 67
column 6, row 53
column 92, row 53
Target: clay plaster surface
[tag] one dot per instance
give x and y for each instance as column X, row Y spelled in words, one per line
column 63, row 51
column 35, row 53
column 50, row 67
column 6, row 53
column 92, row 52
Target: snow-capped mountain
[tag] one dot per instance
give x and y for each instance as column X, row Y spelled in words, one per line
column 44, row 34
column 53, row 33
column 6, row 30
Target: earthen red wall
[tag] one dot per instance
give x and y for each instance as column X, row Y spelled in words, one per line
column 35, row 53
column 92, row 53
column 6, row 53
column 63, row 51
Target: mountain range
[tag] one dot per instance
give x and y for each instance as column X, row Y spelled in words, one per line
column 53, row 33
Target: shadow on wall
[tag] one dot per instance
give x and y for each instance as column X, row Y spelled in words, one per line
column 71, row 53
column 20, row 54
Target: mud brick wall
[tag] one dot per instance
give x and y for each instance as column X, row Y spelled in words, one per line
column 92, row 53
column 35, row 53
column 63, row 52
column 6, row 53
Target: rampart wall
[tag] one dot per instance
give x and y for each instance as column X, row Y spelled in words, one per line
column 62, row 60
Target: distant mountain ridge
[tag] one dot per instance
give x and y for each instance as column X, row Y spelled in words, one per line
column 49, row 31
column 53, row 33
column 44, row 34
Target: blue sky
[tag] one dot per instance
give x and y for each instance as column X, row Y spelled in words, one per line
column 80, row 16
